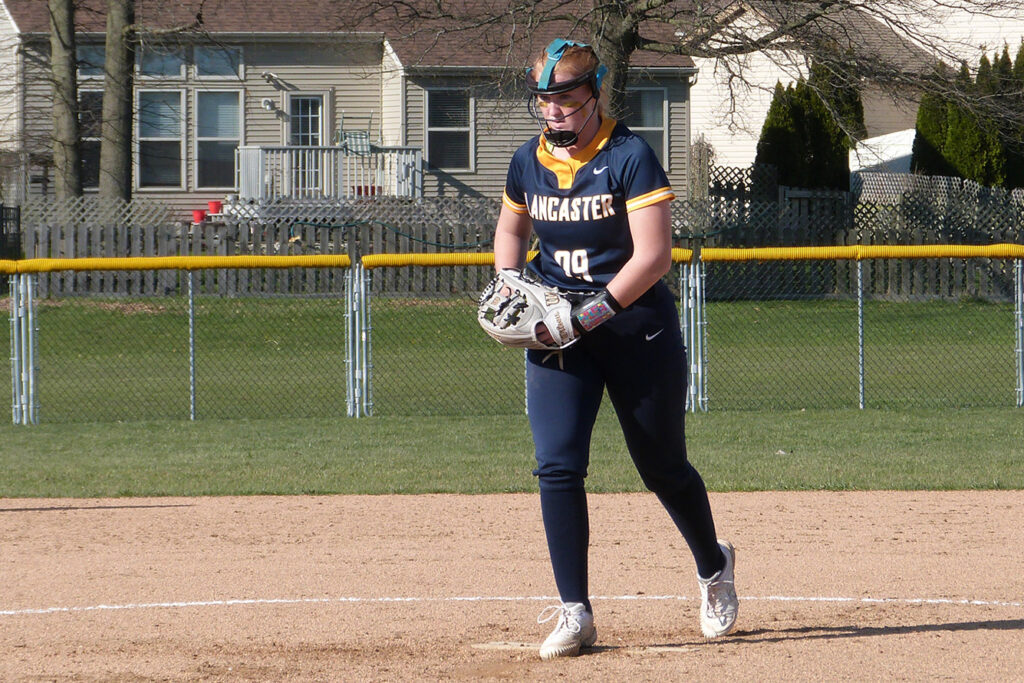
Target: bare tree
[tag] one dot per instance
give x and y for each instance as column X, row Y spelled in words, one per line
column 116, row 128
column 67, row 151
column 896, row 46
column 115, row 123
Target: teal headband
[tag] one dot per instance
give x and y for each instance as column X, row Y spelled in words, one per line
column 554, row 51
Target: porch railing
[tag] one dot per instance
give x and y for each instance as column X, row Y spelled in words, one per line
column 269, row 173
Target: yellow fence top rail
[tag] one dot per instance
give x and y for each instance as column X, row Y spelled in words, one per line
column 682, row 255
column 397, row 260
column 474, row 259
column 709, row 254
column 861, row 252
column 49, row 265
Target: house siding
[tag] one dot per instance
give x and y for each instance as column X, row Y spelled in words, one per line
column 884, row 114
column 495, row 127
column 347, row 75
column 972, row 35
column 366, row 87
column 502, row 125
column 677, row 91
column 733, row 126
column 731, row 121
column 37, row 96
column 392, row 100
column 10, row 127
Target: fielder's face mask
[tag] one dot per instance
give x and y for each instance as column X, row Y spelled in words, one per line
column 542, row 85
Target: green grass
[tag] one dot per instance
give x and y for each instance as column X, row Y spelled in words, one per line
column 735, row 451
column 449, row 401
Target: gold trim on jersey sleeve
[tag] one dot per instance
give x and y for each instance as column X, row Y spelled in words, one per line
column 513, row 206
column 660, row 195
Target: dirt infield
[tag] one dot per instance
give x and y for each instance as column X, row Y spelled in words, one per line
column 864, row 586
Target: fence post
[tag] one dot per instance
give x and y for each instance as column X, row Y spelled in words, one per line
column 15, row 332
column 351, row 333
column 191, row 345
column 31, row 346
column 1018, row 268
column 24, row 401
column 702, row 334
column 685, row 304
column 692, row 321
column 365, row 335
column 31, row 280
column 358, row 346
column 860, row 333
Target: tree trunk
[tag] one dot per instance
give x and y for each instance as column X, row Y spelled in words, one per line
column 615, row 41
column 116, row 130
column 67, row 151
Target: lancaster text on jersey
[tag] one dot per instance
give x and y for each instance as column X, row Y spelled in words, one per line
column 565, row 209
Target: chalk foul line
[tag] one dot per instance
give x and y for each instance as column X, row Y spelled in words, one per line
column 480, row 598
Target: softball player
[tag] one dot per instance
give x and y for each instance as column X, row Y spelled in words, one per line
column 598, row 200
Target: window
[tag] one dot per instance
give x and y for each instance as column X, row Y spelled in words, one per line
column 449, row 129
column 90, row 115
column 218, row 134
column 218, row 62
column 162, row 62
column 160, row 132
column 91, row 59
column 306, row 115
column 646, row 118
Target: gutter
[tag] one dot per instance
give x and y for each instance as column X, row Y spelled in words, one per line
column 314, row 36
column 440, row 69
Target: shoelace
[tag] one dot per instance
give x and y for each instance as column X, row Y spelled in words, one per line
column 714, row 597
column 565, row 617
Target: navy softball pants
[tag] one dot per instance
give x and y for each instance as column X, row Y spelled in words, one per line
column 639, row 357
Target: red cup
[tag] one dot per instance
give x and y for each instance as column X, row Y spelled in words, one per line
column 216, row 207
column 198, row 215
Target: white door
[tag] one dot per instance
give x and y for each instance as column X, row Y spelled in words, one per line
column 306, row 130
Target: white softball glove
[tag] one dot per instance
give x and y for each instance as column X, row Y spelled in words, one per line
column 515, row 303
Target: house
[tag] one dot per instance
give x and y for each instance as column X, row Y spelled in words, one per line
column 731, row 97
column 306, row 98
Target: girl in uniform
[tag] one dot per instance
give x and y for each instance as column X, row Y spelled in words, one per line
column 598, row 200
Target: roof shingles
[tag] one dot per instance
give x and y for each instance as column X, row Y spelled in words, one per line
column 475, row 33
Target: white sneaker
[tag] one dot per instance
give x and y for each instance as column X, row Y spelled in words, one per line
column 575, row 629
column 718, row 603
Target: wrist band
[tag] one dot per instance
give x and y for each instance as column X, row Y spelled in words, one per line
column 594, row 311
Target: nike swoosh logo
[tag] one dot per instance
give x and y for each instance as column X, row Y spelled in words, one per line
column 599, row 171
column 649, row 337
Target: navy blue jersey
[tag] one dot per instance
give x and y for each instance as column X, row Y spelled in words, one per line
column 580, row 206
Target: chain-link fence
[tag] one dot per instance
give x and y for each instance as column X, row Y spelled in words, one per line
column 180, row 357
column 775, row 340
column 431, row 358
column 764, row 334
